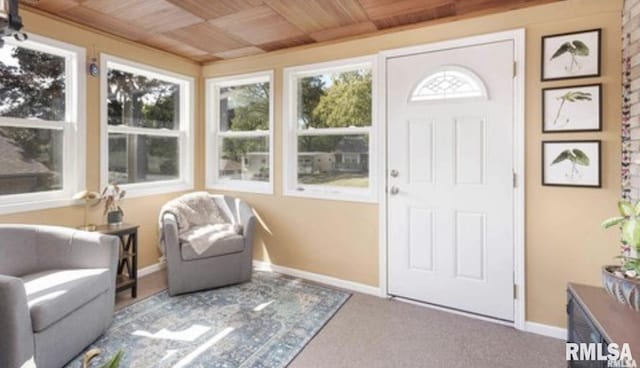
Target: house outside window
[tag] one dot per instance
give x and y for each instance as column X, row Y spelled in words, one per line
column 147, row 128
column 330, row 130
column 239, row 140
column 42, row 124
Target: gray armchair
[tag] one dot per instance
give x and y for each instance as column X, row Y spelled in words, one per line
column 226, row 262
column 57, row 292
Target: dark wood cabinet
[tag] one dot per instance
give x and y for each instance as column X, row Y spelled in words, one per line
column 594, row 317
column 128, row 259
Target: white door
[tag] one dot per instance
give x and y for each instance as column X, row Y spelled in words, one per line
column 450, row 177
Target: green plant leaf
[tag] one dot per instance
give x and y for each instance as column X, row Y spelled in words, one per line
column 582, row 96
column 115, row 361
column 637, row 208
column 581, row 157
column 563, row 49
column 573, row 96
column 631, row 232
column 564, row 155
column 612, row 222
column 625, row 208
column 580, row 48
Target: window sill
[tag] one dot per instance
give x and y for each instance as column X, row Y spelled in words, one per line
column 156, row 187
column 36, row 205
column 368, row 196
column 242, row 186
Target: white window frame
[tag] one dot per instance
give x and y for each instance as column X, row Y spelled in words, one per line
column 184, row 133
column 291, row 188
column 73, row 127
column 214, row 135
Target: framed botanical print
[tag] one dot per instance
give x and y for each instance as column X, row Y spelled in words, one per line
column 571, row 55
column 572, row 109
column 571, row 163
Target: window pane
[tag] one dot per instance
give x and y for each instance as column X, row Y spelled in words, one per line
column 336, row 160
column 32, row 84
column 30, row 160
column 142, row 158
column 451, row 83
column 244, row 107
column 138, row 101
column 244, row 159
column 335, row 100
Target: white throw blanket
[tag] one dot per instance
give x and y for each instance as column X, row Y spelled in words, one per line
column 200, row 221
column 202, row 237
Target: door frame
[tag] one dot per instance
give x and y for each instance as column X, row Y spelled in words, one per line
column 518, row 38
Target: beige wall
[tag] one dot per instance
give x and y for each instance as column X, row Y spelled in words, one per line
column 138, row 210
column 563, row 239
column 340, row 239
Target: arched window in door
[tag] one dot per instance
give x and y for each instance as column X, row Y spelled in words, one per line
column 450, row 83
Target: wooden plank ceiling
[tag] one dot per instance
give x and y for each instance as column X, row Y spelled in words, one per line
column 208, row 30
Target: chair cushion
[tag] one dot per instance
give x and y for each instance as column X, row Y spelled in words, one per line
column 227, row 245
column 53, row 294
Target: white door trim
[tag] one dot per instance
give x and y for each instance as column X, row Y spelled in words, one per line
column 518, row 38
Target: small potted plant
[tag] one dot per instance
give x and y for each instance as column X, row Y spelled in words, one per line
column 623, row 281
column 112, row 196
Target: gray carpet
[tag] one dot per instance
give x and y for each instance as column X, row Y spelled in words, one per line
column 372, row 332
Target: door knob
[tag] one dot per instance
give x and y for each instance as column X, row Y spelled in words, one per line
column 394, row 190
column 394, row 173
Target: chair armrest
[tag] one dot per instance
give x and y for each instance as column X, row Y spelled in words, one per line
column 16, row 336
column 171, row 237
column 246, row 216
column 248, row 220
column 61, row 248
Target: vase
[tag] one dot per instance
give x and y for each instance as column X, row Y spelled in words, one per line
column 114, row 218
column 624, row 290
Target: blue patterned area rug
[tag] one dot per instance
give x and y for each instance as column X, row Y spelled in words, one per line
column 262, row 323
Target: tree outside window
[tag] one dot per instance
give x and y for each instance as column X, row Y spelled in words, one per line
column 32, row 88
column 333, row 121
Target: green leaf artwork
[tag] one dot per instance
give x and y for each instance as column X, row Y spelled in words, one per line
column 571, row 97
column 576, row 157
column 575, row 48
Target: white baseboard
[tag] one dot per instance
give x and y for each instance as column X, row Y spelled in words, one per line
column 315, row 277
column 151, row 269
column 546, row 330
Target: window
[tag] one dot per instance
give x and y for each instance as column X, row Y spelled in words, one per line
column 147, row 121
column 239, row 146
column 449, row 83
column 330, row 131
column 41, row 124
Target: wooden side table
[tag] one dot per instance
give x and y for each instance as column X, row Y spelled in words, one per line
column 128, row 259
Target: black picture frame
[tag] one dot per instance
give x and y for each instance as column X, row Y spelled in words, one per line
column 546, row 58
column 599, row 106
column 598, row 144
